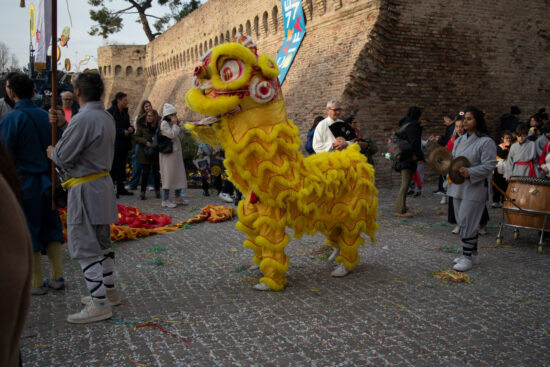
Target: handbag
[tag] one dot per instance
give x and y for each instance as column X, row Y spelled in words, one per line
column 150, row 152
column 161, row 143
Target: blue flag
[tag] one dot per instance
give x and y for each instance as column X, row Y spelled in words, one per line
column 295, row 30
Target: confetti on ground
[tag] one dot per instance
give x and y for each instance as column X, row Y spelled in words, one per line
column 526, row 303
column 157, row 250
column 448, row 249
column 232, row 249
column 453, row 276
column 497, row 246
column 249, row 279
column 315, row 290
column 158, row 261
column 240, row 269
column 134, row 362
column 441, row 211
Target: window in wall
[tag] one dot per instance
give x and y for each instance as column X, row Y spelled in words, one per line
column 234, row 32
column 227, row 36
column 257, row 26
column 310, row 6
column 118, row 69
column 139, row 71
column 275, row 19
column 216, row 41
column 128, row 70
column 248, row 28
column 241, row 31
column 265, row 21
column 210, row 43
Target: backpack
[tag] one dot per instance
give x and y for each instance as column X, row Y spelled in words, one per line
column 309, row 142
column 398, row 143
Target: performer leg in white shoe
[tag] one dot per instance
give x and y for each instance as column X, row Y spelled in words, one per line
column 85, row 153
column 469, row 197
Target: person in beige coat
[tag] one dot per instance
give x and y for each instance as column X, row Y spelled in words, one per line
column 172, row 170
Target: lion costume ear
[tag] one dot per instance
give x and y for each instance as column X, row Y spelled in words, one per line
column 269, row 66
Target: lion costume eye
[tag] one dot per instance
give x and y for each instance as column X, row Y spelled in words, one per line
column 231, row 70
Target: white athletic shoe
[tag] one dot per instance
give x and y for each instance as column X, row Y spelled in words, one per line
column 181, row 201
column 168, row 204
column 261, row 287
column 340, row 271
column 96, row 310
column 463, row 264
column 253, row 267
column 112, row 295
column 455, row 230
column 473, row 258
column 334, row 255
column 226, row 197
column 443, row 200
column 150, row 188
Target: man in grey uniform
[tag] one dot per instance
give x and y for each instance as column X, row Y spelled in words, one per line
column 85, row 153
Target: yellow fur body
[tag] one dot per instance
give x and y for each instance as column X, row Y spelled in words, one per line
column 332, row 193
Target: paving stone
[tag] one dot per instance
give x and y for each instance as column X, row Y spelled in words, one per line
column 389, row 311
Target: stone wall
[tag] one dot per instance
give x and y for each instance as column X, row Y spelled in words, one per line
column 122, row 70
column 378, row 56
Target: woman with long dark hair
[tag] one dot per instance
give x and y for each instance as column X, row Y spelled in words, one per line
column 144, row 138
column 470, row 196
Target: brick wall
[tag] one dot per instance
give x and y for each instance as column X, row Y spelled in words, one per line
column 378, row 56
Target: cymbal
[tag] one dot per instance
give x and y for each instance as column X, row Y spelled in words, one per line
column 440, row 160
column 456, row 164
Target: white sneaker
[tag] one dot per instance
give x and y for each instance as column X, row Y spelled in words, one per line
column 463, row 264
column 261, row 287
column 334, row 255
column 168, row 204
column 226, row 197
column 150, row 188
column 482, row 230
column 340, row 271
column 443, row 200
column 473, row 258
column 181, row 201
column 455, row 230
column 253, row 267
column 496, row 205
column 96, row 310
column 112, row 295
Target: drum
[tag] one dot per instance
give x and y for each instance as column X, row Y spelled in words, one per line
column 529, row 193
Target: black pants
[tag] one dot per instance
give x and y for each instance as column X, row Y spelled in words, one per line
column 228, row 188
column 500, row 181
column 118, row 170
column 145, row 169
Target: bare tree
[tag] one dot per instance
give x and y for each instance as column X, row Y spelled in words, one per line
column 4, row 57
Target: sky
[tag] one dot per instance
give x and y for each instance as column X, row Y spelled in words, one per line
column 15, row 33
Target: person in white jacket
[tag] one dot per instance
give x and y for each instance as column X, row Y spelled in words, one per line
column 172, row 170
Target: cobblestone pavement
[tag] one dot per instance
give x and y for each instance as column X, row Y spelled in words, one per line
column 390, row 311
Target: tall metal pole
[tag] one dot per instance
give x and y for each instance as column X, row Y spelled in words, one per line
column 54, row 88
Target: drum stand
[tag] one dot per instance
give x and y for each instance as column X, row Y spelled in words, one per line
column 516, row 227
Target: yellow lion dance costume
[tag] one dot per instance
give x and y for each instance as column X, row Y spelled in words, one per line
column 332, row 193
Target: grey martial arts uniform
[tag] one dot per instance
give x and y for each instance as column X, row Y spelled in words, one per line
column 469, row 197
column 87, row 147
column 540, row 143
column 520, row 153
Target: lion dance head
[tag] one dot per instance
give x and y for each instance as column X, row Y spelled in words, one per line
column 232, row 78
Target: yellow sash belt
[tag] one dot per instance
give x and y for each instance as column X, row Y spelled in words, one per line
column 80, row 180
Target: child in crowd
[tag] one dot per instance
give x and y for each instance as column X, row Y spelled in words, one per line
column 522, row 157
column 502, row 154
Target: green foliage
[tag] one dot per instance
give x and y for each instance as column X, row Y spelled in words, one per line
column 109, row 21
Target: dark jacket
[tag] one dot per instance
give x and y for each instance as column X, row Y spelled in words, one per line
column 449, row 131
column 413, row 134
column 508, row 122
column 144, row 134
column 122, row 122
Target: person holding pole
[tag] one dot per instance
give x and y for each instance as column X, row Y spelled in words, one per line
column 26, row 134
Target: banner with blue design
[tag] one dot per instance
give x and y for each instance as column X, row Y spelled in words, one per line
column 295, row 30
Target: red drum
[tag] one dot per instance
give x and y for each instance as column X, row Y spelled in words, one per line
column 529, row 193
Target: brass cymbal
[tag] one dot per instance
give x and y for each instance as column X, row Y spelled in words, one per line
column 456, row 164
column 440, row 160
